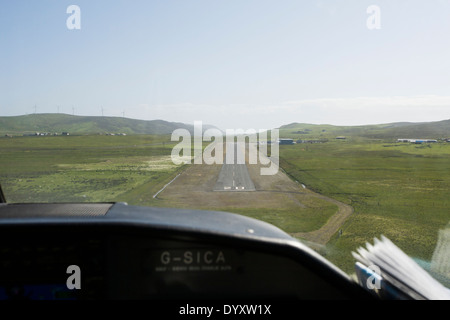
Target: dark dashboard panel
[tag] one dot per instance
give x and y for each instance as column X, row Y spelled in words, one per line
column 144, row 253
column 34, row 263
column 204, row 269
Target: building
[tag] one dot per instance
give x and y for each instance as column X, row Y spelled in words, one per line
column 417, row 141
column 285, row 141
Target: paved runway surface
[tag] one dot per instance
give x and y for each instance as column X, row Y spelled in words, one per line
column 234, row 174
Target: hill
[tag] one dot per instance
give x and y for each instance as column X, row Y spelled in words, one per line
column 51, row 122
column 397, row 130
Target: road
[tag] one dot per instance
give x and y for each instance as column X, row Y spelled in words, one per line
column 324, row 234
column 234, row 174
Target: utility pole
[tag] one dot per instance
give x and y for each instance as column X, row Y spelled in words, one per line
column 102, row 111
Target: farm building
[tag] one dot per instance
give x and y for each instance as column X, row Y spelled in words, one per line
column 417, row 141
column 286, row 141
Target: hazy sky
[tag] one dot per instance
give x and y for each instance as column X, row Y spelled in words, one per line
column 232, row 63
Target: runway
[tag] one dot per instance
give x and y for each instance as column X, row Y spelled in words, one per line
column 234, row 174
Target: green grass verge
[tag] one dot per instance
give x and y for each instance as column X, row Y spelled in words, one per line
column 290, row 220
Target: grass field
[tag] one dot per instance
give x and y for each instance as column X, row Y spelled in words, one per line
column 84, row 168
column 399, row 190
column 292, row 220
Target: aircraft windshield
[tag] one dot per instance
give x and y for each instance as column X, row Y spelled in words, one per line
column 329, row 120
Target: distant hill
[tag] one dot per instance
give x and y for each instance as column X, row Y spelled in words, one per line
column 437, row 129
column 397, row 130
column 56, row 122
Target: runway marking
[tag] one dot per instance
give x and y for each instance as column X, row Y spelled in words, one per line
column 234, row 176
column 156, row 194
